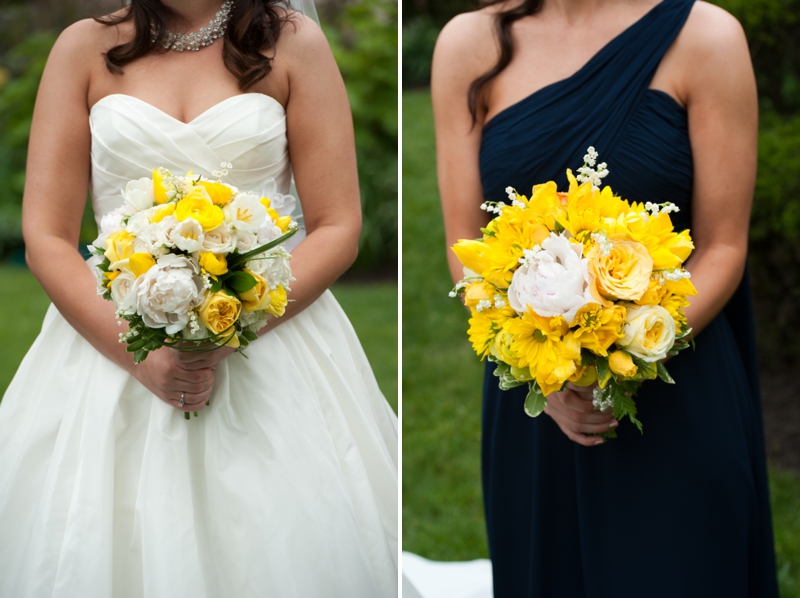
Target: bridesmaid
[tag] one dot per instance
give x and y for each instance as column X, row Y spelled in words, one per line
column 665, row 92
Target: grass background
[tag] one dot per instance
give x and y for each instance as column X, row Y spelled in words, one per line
column 372, row 309
column 442, row 381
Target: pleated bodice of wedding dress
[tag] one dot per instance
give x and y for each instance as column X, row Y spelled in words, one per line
column 286, row 485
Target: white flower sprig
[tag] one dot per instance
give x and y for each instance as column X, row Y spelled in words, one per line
column 588, row 174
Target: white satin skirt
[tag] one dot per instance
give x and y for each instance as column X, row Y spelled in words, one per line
column 285, row 486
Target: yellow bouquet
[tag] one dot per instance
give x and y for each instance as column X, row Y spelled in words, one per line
column 580, row 287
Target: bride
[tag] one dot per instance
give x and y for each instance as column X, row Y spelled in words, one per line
column 286, row 484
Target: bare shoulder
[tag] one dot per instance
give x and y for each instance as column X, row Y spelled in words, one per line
column 79, row 49
column 466, row 48
column 301, row 40
column 712, row 32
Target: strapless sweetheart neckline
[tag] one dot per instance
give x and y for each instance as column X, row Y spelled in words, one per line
column 269, row 99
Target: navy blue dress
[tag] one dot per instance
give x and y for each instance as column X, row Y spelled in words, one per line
column 682, row 510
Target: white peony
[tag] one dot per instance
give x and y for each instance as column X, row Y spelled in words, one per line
column 139, row 195
column 120, row 291
column 137, row 222
column 273, row 266
column 188, row 235
column 219, row 240
column 246, row 213
column 167, row 293
column 151, row 240
column 554, row 282
column 649, row 332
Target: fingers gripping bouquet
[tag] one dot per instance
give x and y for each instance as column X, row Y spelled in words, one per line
column 192, row 263
column 578, row 287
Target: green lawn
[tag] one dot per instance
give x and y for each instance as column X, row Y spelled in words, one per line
column 442, row 509
column 372, row 308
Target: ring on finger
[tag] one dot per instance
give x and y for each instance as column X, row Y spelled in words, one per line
column 183, row 396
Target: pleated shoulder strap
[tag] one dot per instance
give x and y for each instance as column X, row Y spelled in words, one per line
column 592, row 106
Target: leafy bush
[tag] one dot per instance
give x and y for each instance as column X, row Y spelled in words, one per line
column 364, row 41
column 775, row 239
column 419, row 38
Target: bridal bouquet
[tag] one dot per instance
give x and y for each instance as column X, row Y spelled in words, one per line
column 578, row 287
column 192, row 263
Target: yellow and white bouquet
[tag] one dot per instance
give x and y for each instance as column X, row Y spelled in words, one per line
column 194, row 263
column 578, row 287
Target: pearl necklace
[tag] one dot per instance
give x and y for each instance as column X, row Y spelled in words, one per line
column 199, row 39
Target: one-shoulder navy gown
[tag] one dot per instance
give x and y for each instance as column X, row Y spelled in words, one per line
column 683, row 509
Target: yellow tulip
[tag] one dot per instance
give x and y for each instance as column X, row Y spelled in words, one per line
column 159, row 187
column 139, row 263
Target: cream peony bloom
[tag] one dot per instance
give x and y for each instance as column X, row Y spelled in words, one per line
column 554, row 282
column 167, row 293
column 649, row 332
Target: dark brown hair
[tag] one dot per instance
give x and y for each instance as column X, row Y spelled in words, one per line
column 254, row 27
column 503, row 20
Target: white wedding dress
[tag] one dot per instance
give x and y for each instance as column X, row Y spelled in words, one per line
column 285, row 486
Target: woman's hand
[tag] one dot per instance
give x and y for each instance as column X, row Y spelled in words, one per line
column 163, row 374
column 573, row 411
column 190, row 360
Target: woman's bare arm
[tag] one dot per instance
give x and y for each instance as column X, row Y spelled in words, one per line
column 56, row 186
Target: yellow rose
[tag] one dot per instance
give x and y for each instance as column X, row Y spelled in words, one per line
column 197, row 205
column 139, row 263
column 162, row 212
column 624, row 272
column 213, row 263
column 258, row 297
column 119, row 246
column 621, row 363
column 219, row 193
column 159, row 187
column 218, row 313
column 649, row 332
column 277, row 301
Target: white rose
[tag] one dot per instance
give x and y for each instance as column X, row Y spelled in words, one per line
column 554, row 282
column 139, row 194
column 246, row 241
column 273, row 266
column 246, row 213
column 649, row 332
column 120, row 291
column 188, row 235
column 166, row 294
column 219, row 240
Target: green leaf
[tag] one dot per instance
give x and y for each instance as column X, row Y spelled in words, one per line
column 139, row 356
column 215, row 286
column 535, row 402
column 241, row 282
column 241, row 258
column 249, row 335
column 664, row 374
